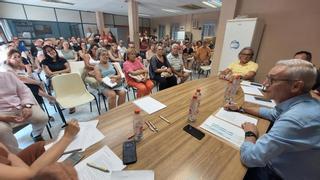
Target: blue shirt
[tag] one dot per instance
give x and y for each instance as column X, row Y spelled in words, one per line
column 292, row 146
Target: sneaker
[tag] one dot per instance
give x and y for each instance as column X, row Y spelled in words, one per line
column 37, row 138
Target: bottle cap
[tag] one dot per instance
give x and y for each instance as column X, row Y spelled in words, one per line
column 198, row 90
column 137, row 111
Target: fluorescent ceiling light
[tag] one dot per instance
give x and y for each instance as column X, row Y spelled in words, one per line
column 212, row 3
column 171, row 10
column 141, row 14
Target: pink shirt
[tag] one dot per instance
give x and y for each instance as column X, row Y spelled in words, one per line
column 13, row 93
column 129, row 66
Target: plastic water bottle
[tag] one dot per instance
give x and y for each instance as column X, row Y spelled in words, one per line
column 227, row 93
column 235, row 86
column 198, row 94
column 193, row 109
column 137, row 126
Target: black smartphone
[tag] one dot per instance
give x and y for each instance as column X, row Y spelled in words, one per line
column 129, row 154
column 262, row 99
column 75, row 157
column 194, row 132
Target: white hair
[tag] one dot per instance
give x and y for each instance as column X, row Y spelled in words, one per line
column 298, row 69
column 174, row 45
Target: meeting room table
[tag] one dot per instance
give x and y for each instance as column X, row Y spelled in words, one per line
column 172, row 153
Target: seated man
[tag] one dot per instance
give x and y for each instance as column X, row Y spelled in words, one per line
column 243, row 67
column 176, row 63
column 307, row 56
column 203, row 55
column 291, row 148
column 17, row 107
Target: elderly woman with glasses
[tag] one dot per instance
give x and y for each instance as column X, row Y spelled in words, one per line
column 243, row 67
column 160, row 70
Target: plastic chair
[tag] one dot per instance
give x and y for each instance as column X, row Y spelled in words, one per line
column 70, row 91
column 77, row 67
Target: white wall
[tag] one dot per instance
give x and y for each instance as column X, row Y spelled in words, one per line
column 64, row 15
column 40, row 13
column 11, row 11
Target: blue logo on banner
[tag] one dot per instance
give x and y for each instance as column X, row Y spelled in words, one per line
column 234, row 44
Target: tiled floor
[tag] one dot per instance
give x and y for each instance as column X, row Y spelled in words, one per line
column 82, row 114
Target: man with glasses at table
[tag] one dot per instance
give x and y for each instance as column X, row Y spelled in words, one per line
column 243, row 67
column 291, row 149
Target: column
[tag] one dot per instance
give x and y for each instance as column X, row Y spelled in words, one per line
column 227, row 12
column 133, row 22
column 100, row 21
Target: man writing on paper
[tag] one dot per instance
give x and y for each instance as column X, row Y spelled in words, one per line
column 291, row 149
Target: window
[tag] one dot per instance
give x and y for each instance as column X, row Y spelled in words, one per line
column 174, row 31
column 161, row 33
column 208, row 30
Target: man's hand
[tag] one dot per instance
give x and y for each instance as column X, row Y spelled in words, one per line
column 72, row 129
column 26, row 113
column 231, row 106
column 247, row 126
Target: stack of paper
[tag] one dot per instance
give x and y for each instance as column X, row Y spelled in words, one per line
column 252, row 99
column 87, row 136
column 105, row 158
column 227, row 125
column 251, row 90
column 107, row 81
column 252, row 84
column 149, row 105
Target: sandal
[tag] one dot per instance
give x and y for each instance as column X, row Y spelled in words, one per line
column 72, row 110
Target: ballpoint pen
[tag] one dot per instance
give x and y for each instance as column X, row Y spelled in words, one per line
column 98, row 167
column 150, row 127
column 71, row 151
column 166, row 120
column 153, row 126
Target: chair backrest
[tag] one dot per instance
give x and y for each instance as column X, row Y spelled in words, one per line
column 77, row 67
column 69, row 84
column 118, row 67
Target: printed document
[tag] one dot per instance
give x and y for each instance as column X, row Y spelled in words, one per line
column 251, row 99
column 149, row 105
column 235, row 118
column 251, row 90
column 107, row 81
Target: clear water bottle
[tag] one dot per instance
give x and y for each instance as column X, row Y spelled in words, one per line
column 193, row 109
column 235, row 86
column 137, row 126
column 198, row 94
column 227, row 93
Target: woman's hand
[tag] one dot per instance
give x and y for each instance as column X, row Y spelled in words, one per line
column 71, row 130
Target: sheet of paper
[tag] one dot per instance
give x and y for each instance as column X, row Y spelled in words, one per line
column 87, row 136
column 106, row 80
column 235, row 118
column 149, row 105
column 106, row 158
column 251, row 99
column 252, row 84
column 133, row 175
column 251, row 90
column 225, row 130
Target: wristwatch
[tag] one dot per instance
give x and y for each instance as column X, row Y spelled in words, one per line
column 250, row 134
column 241, row 110
column 27, row 105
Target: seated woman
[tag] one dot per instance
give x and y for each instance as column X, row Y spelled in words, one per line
column 32, row 162
column 115, row 55
column 90, row 61
column 134, row 68
column 106, row 69
column 54, row 65
column 16, row 66
column 243, row 67
column 160, row 70
column 68, row 53
column 150, row 53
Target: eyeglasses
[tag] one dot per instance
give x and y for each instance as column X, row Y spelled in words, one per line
column 270, row 80
column 246, row 54
column 160, row 49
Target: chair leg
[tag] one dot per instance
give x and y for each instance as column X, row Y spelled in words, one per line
column 90, row 107
column 98, row 108
column 49, row 132
column 104, row 102
column 61, row 115
column 128, row 95
column 134, row 93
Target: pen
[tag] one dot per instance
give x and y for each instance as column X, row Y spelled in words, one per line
column 153, row 126
column 98, row 167
column 71, row 151
column 149, row 126
column 166, row 120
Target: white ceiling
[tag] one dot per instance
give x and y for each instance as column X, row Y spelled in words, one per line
column 149, row 7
